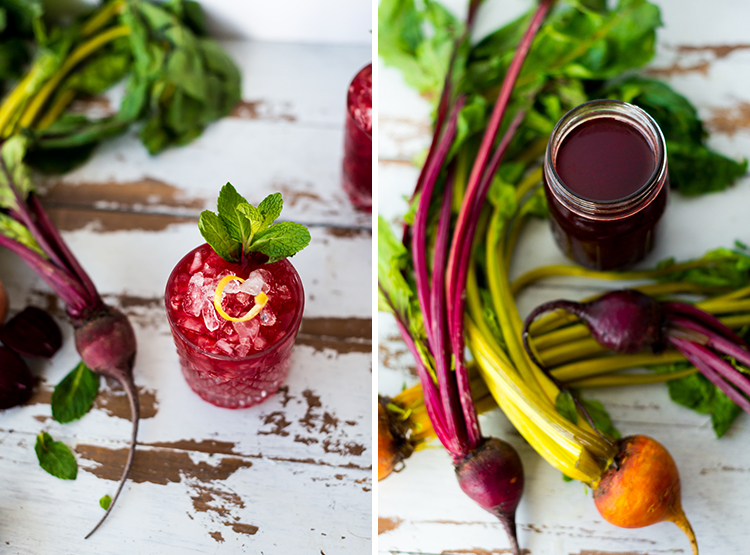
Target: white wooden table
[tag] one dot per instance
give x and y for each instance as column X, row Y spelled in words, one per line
column 292, row 475
column 704, row 52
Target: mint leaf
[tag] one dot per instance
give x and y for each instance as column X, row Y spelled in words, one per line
column 215, row 233
column 565, row 405
column 254, row 216
column 235, row 221
column 271, row 207
column 55, row 457
column 105, row 502
column 75, row 394
column 241, row 228
column 281, row 240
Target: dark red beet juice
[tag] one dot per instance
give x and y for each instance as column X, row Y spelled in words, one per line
column 604, row 159
column 357, row 166
column 605, row 176
column 235, row 362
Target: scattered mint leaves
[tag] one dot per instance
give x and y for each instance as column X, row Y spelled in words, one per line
column 55, row 457
column 105, row 502
column 75, row 394
column 240, row 228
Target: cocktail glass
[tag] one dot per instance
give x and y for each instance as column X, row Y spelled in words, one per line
column 228, row 362
column 357, row 167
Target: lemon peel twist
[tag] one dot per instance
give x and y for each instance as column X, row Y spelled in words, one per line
column 260, row 301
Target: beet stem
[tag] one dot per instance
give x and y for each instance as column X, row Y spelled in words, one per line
column 714, row 368
column 429, row 390
column 708, row 320
column 135, row 413
column 574, row 308
column 451, row 386
column 65, row 285
column 48, row 228
column 24, row 216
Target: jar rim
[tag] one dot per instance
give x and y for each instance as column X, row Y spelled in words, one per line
column 626, row 113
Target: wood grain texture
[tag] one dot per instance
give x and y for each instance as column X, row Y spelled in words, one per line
column 292, row 475
column 421, row 509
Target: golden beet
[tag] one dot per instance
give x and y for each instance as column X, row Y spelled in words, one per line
column 642, row 487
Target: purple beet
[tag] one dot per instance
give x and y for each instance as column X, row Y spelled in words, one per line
column 492, row 475
column 106, row 342
column 625, row 321
column 16, row 381
column 32, row 332
column 629, row 321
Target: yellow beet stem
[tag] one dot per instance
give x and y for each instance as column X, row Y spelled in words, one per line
column 563, row 270
column 78, row 55
column 615, row 380
column 552, row 436
column 102, row 17
column 260, row 301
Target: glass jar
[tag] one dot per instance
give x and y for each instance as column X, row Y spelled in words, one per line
column 614, row 186
column 232, row 364
column 357, row 165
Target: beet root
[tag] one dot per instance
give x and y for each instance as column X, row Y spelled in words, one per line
column 492, row 475
column 32, row 332
column 3, row 303
column 624, row 321
column 16, row 381
column 107, row 345
column 393, row 446
column 642, row 488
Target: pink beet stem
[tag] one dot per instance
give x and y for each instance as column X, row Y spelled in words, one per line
column 715, row 369
column 429, row 392
column 709, row 320
column 715, row 341
column 447, row 380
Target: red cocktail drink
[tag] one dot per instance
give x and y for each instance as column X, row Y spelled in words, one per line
column 241, row 357
column 357, row 171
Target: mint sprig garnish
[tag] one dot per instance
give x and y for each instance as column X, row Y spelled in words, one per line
column 240, row 228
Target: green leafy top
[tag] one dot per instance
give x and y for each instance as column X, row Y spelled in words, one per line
column 240, row 228
column 584, row 50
